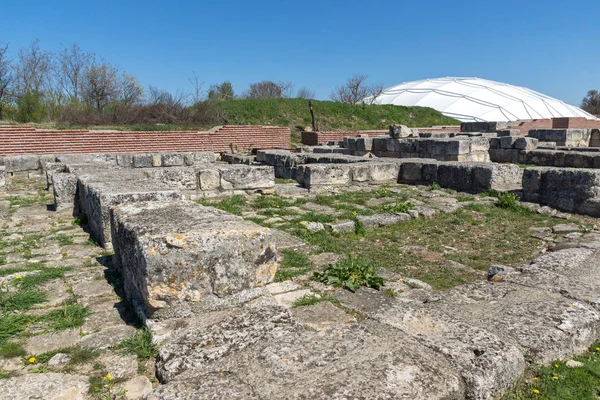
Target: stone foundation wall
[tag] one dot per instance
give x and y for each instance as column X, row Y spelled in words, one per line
column 567, row 189
column 563, row 137
column 451, row 149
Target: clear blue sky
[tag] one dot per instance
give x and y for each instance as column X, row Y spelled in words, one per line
column 550, row 46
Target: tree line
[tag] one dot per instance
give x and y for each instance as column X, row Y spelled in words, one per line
column 77, row 87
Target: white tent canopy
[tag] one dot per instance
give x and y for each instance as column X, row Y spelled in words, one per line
column 475, row 99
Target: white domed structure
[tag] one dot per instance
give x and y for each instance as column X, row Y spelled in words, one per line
column 474, row 99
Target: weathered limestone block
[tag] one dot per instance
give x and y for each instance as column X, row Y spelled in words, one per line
column 143, row 160
column 376, row 172
column 125, row 160
column 418, row 171
column 548, row 158
column 526, row 143
column 105, row 158
column 50, row 385
column 508, row 142
column 156, row 160
column 65, row 189
column 532, row 183
column 209, row 178
column 51, row 168
column 341, row 226
column 2, row 176
column 454, row 175
column 496, row 177
column 203, row 157
column 371, row 361
column 504, row 155
column 242, row 177
column 326, row 174
column 563, row 137
column 172, row 159
column 364, row 144
column 379, row 220
column 479, row 144
column 22, row 163
column 400, row 131
column 575, row 159
column 98, row 197
column 594, row 138
column 172, row 254
column 174, row 177
column 379, row 144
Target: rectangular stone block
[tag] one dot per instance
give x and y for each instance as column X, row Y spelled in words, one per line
column 209, row 178
column 507, row 142
column 125, row 160
column 578, row 160
column 479, row 144
column 379, row 144
column 495, row 143
column 526, row 143
column 177, row 258
column 98, row 197
column 411, row 172
column 143, row 160
column 504, row 155
column 245, row 177
column 172, row 159
column 375, row 172
column 53, row 168
column 22, row 163
column 455, row 175
column 64, row 186
column 327, row 174
column 156, row 160
column 364, row 144
column 532, row 179
column 509, row 132
column 174, row 177
column 496, row 177
column 2, row 176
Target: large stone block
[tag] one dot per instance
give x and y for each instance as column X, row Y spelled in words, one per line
column 455, row 175
column 174, row 177
column 98, row 197
column 209, row 179
column 576, row 159
column 526, row 143
column 479, row 144
column 364, row 144
column 497, row 177
column 563, row 137
column 176, row 257
column 244, row 177
column 375, row 172
column 172, row 159
column 2, row 175
column 327, row 174
column 65, row 189
column 143, row 160
column 52, row 168
column 22, row 163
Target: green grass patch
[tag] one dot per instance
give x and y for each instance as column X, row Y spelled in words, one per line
column 9, row 350
column 311, row 299
column 64, row 240
column 139, row 344
column 350, row 273
column 69, row 316
column 293, row 263
column 282, row 181
column 232, row 204
column 398, row 207
column 463, row 199
column 314, row 217
column 80, row 220
column 13, row 324
column 434, row 186
column 274, row 201
column 557, row 381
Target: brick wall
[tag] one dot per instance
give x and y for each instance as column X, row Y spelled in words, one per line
column 27, row 141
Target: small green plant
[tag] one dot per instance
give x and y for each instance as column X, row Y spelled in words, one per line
column 80, row 220
column 139, row 344
column 383, row 191
column 434, row 186
column 311, row 299
column 389, row 292
column 350, row 273
column 42, row 369
column 293, row 264
column 67, row 317
column 10, row 349
column 232, row 204
column 398, row 207
column 6, row 374
column 64, row 240
column 103, row 388
column 507, row 200
column 463, row 199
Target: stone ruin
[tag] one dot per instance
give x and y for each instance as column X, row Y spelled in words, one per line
column 201, row 279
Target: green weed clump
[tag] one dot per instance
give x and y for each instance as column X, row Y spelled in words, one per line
column 434, row 186
column 293, row 264
column 232, row 204
column 139, row 344
column 398, row 207
column 350, row 273
column 311, row 299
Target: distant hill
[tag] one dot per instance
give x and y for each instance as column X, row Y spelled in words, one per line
column 330, row 115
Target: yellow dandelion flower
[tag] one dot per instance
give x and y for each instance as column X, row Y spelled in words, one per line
column 536, row 379
column 108, row 377
column 535, row 391
column 555, row 365
column 597, row 348
column 353, row 212
column 555, row 377
column 31, row 360
column 18, row 277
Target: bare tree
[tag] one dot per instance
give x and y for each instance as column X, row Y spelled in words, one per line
column 100, row 85
column 70, row 66
column 591, row 102
column 356, row 90
column 6, row 78
column 196, row 87
column 131, row 91
column 33, row 69
column 305, row 93
column 268, row 90
column 223, row 91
